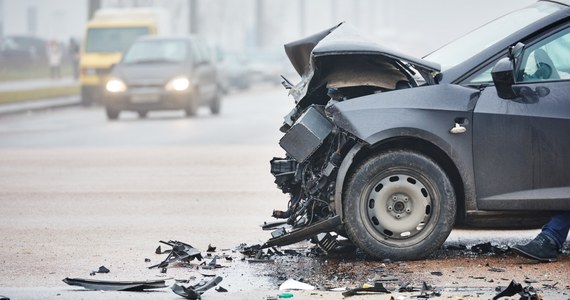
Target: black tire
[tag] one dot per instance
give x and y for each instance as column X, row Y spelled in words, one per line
column 112, row 114
column 191, row 107
column 216, row 104
column 399, row 205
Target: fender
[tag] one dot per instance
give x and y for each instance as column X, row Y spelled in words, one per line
column 413, row 114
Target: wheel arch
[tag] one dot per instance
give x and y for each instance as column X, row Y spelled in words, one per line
column 362, row 151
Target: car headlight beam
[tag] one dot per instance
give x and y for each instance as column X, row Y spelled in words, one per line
column 178, row 84
column 115, row 85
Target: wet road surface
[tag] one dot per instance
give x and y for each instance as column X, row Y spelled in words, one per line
column 78, row 192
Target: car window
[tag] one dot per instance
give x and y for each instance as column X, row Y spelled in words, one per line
column 204, row 51
column 546, row 59
column 476, row 41
column 156, row 51
column 483, row 76
column 196, row 53
column 112, row 39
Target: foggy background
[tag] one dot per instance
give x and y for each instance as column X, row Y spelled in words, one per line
column 411, row 26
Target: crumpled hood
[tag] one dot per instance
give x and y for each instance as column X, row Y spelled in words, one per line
column 299, row 51
column 314, row 57
column 344, row 39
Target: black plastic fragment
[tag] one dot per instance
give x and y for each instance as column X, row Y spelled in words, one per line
column 406, row 288
column 180, row 252
column 326, row 241
column 195, row 291
column 459, row 247
column 106, row 285
column 103, row 269
column 221, row 290
column 187, row 293
column 428, row 291
column 487, row 248
column 211, row 248
column 377, row 288
column 513, row 289
column 249, row 250
column 213, row 264
column 498, row 270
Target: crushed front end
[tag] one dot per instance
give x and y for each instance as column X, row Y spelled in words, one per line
column 335, row 65
column 315, row 148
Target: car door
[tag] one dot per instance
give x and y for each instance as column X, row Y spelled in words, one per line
column 521, row 147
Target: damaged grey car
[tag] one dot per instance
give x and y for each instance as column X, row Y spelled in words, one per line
column 393, row 152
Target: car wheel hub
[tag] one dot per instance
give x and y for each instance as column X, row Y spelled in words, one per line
column 398, row 206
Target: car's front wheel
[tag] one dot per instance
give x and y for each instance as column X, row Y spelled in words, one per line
column 216, row 104
column 142, row 114
column 399, row 205
column 191, row 107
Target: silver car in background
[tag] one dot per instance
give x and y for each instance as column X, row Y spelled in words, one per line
column 163, row 73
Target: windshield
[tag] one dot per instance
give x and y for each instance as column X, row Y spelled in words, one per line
column 156, row 51
column 112, row 39
column 476, row 41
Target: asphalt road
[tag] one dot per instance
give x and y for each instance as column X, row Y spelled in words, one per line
column 78, row 191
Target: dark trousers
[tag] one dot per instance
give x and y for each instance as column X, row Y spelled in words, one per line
column 557, row 227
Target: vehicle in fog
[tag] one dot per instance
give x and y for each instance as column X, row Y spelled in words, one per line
column 108, row 34
column 163, row 73
column 393, row 151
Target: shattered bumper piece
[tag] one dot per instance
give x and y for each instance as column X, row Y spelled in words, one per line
column 304, row 233
column 106, row 285
column 196, row 291
column 180, row 252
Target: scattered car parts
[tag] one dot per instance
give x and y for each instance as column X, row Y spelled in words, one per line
column 180, row 252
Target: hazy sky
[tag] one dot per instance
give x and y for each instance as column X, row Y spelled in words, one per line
column 412, row 26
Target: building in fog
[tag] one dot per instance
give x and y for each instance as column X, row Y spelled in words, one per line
column 48, row 19
column 411, row 26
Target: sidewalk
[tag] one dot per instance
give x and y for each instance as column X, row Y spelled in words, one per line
column 19, row 85
column 39, row 104
column 31, row 105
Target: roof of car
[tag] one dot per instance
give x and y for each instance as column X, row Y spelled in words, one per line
column 563, row 2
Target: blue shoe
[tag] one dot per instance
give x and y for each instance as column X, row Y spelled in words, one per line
column 542, row 248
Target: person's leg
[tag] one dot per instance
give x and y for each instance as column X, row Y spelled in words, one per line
column 557, row 227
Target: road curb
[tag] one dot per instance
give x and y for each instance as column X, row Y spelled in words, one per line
column 38, row 105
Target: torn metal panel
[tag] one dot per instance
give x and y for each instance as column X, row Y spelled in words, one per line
column 107, row 285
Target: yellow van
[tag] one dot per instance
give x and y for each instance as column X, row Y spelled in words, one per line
column 107, row 35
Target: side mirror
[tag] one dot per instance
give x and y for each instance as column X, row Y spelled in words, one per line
column 516, row 51
column 504, row 78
